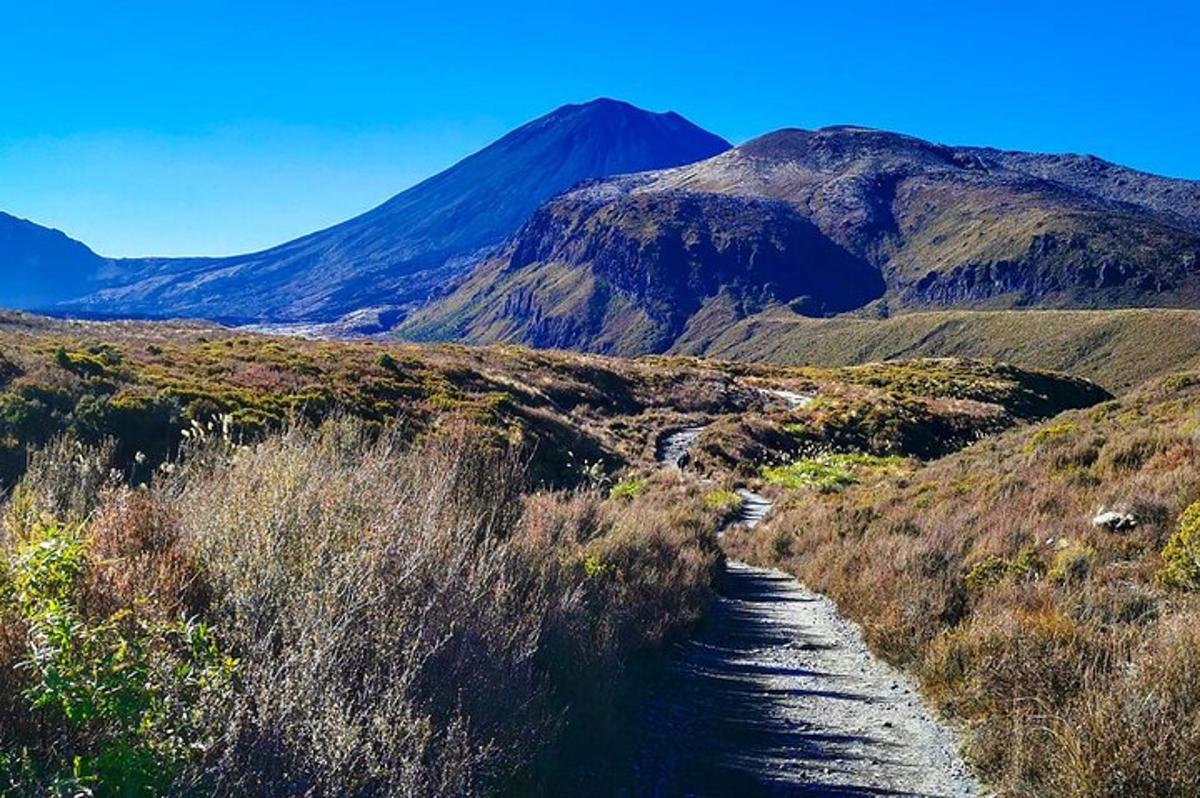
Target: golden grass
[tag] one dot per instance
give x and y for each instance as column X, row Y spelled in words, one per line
column 1118, row 349
column 983, row 573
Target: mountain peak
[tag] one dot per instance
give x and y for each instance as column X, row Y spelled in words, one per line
column 407, row 250
column 616, row 125
column 606, row 106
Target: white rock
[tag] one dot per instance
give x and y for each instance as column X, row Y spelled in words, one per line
column 1113, row 521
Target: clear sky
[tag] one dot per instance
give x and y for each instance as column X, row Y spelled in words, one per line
column 218, row 127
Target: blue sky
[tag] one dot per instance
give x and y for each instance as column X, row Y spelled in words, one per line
column 220, row 127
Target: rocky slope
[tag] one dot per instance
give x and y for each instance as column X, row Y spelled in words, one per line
column 415, row 243
column 826, row 221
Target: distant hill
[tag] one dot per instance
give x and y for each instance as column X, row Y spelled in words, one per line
column 1119, row 349
column 41, row 266
column 414, row 244
column 822, row 222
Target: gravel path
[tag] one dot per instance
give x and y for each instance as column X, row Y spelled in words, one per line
column 777, row 695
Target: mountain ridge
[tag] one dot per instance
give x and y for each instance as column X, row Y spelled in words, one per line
column 841, row 219
column 939, row 226
column 413, row 244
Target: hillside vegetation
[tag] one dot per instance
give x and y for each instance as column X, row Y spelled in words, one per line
column 1119, row 349
column 1040, row 583
column 822, row 222
column 141, row 385
column 315, row 614
column 234, row 564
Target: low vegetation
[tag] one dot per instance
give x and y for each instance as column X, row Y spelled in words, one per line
column 245, row 565
column 829, row 473
column 140, row 385
column 1041, row 584
column 922, row 409
column 1118, row 349
column 315, row 614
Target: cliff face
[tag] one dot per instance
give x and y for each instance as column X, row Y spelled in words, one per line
column 630, row 275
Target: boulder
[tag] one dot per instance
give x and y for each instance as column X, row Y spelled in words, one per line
column 1114, row 521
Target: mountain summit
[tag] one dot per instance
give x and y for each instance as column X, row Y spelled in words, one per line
column 408, row 248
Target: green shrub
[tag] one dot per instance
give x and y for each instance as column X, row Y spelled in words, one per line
column 24, row 419
column 726, row 501
column 985, row 573
column 830, row 472
column 628, row 488
column 124, row 701
column 387, row 362
column 819, row 474
column 1181, row 556
column 1072, row 563
column 102, row 363
column 1049, row 433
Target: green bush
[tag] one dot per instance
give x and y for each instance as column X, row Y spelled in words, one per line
column 124, row 702
column 819, row 474
column 830, row 472
column 726, row 501
column 1181, row 556
column 628, row 488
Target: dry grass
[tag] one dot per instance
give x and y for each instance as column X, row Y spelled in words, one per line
column 406, row 619
column 1050, row 638
column 136, row 386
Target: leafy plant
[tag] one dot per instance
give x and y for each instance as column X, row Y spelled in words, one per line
column 828, row 473
column 1181, row 557
column 628, row 488
column 128, row 698
column 726, row 501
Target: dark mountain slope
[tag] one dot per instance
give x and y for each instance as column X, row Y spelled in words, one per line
column 409, row 247
column 41, row 266
column 629, row 276
column 905, row 224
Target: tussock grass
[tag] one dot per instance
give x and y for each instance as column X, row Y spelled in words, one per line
column 1118, row 349
column 1067, row 650
column 402, row 615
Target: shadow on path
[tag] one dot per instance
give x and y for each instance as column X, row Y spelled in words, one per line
column 756, row 705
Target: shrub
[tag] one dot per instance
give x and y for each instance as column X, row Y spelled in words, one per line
column 121, row 704
column 821, row 475
column 830, row 472
column 1055, row 432
column 628, row 488
column 1181, row 557
column 1139, row 732
column 406, row 620
column 372, row 585
column 724, row 501
column 1073, row 562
